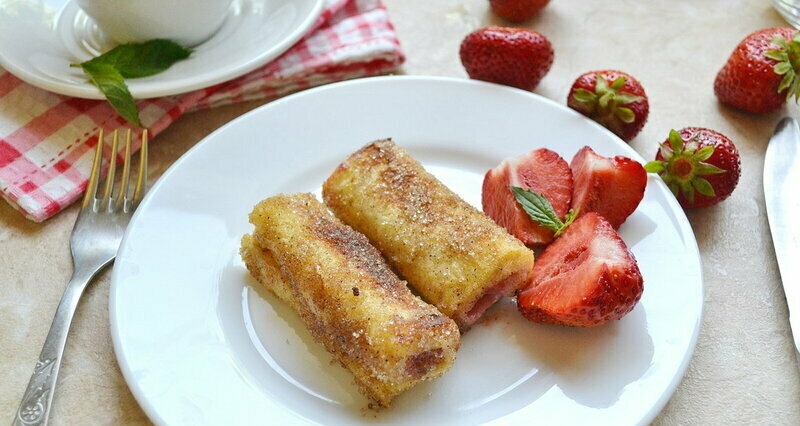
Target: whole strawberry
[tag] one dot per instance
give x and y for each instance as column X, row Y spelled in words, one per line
column 612, row 98
column 761, row 73
column 517, row 10
column 512, row 56
column 700, row 166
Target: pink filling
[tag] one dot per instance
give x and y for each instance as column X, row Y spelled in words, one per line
column 505, row 287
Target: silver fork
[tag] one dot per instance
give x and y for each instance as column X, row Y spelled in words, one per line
column 94, row 243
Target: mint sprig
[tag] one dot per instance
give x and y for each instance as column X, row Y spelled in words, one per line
column 541, row 211
column 133, row 60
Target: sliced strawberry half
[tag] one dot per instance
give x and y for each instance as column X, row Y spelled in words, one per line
column 586, row 277
column 610, row 186
column 542, row 171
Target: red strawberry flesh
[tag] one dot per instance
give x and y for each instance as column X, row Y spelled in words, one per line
column 586, row 278
column 610, row 186
column 542, row 171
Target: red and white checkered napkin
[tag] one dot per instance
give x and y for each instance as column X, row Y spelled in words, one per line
column 46, row 139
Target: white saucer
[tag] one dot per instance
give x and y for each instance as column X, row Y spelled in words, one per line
column 41, row 39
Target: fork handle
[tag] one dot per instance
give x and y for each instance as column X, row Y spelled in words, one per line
column 35, row 406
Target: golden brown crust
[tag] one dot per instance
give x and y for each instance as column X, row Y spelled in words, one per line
column 450, row 252
column 347, row 296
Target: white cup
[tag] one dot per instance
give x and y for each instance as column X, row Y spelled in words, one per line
column 186, row 22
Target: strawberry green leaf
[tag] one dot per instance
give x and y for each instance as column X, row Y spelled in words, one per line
column 625, row 115
column 675, row 141
column 666, row 151
column 789, row 81
column 112, row 85
column 605, row 98
column 786, row 81
column 703, row 186
column 654, row 166
column 703, row 169
column 618, row 83
column 782, row 68
column 778, row 55
column 584, row 96
column 703, row 153
column 601, row 85
column 787, row 58
column 780, row 42
column 795, row 86
column 624, row 98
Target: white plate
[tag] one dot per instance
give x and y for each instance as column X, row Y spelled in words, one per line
column 42, row 38
column 201, row 344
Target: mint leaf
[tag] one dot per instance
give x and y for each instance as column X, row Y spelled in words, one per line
column 134, row 60
column 541, row 211
column 113, row 86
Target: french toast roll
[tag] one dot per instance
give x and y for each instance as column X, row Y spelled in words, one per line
column 348, row 296
column 453, row 255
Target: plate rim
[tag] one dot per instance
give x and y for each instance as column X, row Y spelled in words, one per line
column 675, row 210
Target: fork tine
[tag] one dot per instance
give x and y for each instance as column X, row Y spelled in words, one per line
column 112, row 170
column 126, row 173
column 94, row 175
column 141, row 182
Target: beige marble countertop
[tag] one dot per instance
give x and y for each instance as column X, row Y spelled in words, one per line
column 743, row 370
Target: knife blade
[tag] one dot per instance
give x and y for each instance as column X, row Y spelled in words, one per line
column 782, row 197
